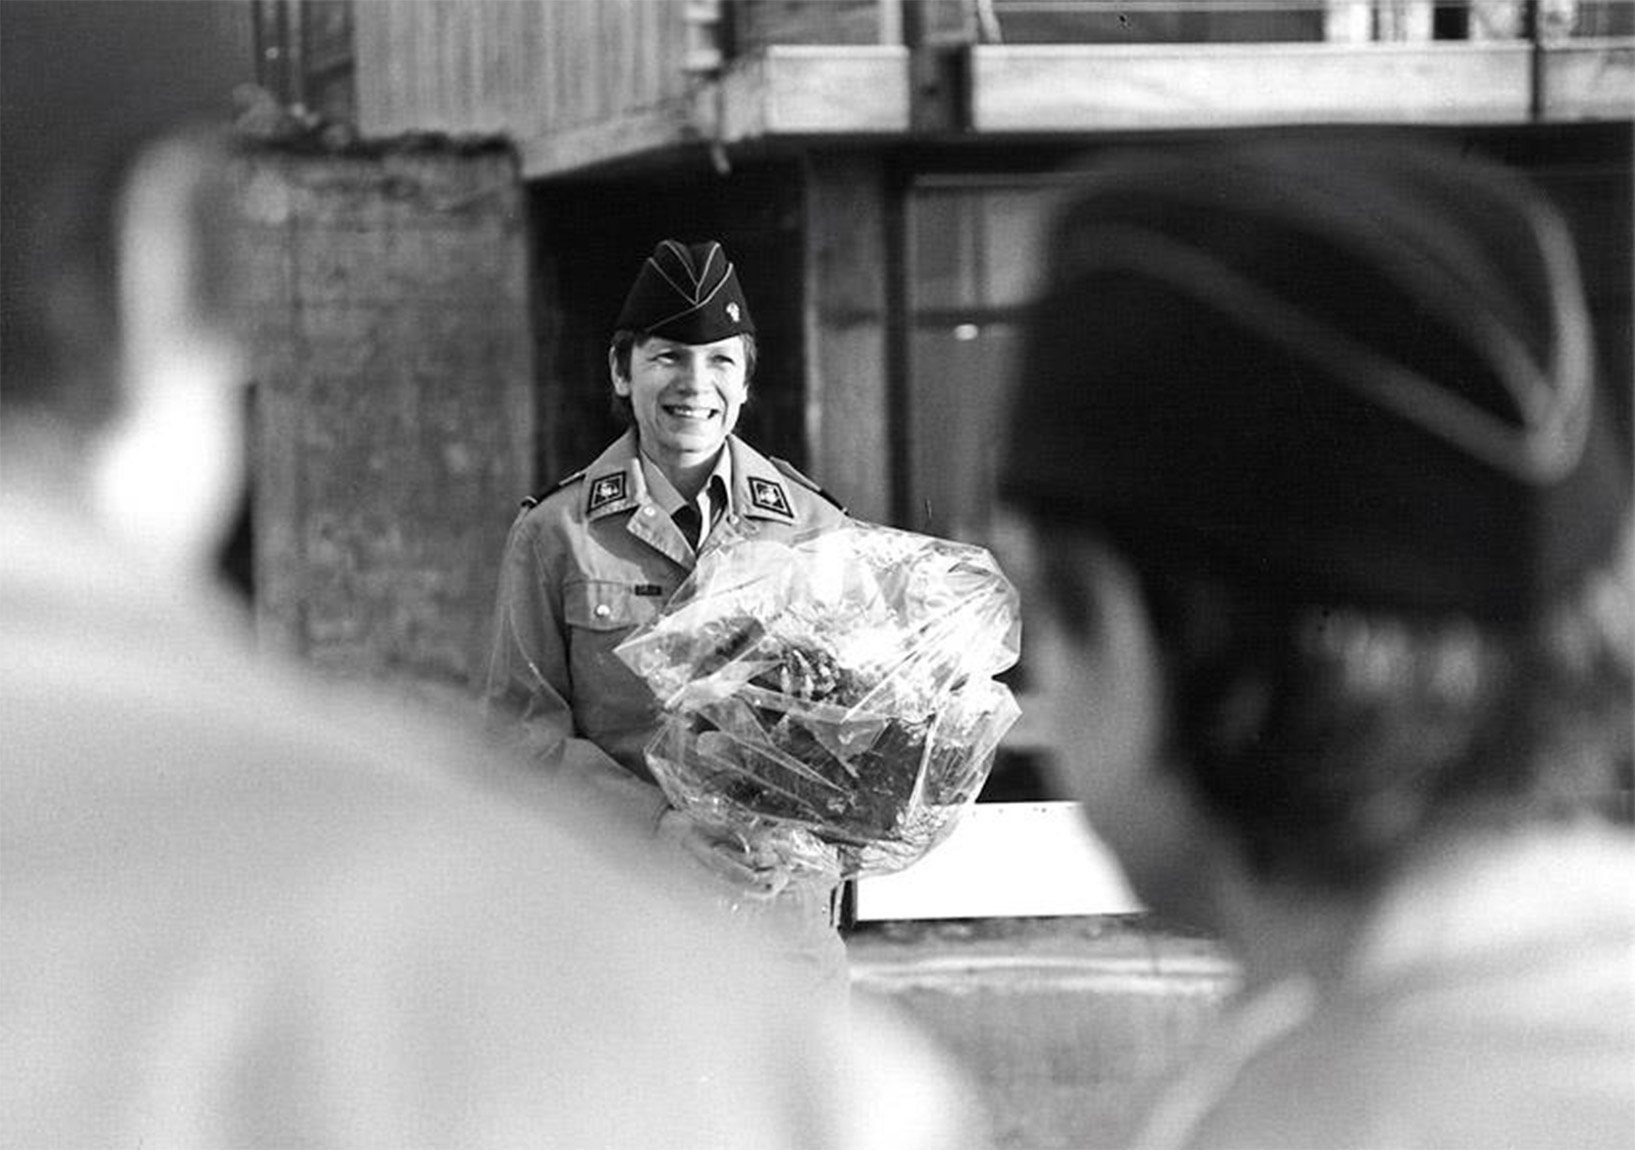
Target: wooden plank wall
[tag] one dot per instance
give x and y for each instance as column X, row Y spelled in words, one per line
column 763, row 23
column 523, row 67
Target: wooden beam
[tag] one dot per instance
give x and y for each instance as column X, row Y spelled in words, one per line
column 1589, row 79
column 816, row 89
column 847, row 407
column 554, row 152
column 1087, row 87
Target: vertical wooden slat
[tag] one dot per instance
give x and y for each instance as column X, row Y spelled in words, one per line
column 591, row 78
column 890, row 13
column 548, row 79
column 423, row 78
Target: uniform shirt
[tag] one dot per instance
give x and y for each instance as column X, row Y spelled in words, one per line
column 595, row 558
column 710, row 503
column 245, row 908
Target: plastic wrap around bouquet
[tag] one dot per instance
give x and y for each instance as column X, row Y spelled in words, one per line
column 832, row 696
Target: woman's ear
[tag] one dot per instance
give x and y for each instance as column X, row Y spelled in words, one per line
column 621, row 381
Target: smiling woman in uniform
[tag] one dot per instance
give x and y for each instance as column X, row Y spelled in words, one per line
column 605, row 549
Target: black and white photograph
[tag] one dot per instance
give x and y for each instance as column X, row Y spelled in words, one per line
column 817, row 574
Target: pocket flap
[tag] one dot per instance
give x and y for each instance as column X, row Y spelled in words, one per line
column 607, row 605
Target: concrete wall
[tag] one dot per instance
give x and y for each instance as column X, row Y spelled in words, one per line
column 1063, row 1028
column 393, row 426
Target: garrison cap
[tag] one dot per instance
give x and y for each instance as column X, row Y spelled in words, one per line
column 689, row 293
column 1329, row 372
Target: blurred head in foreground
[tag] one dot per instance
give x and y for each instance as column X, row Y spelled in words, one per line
column 1330, row 544
column 1335, row 513
column 120, row 361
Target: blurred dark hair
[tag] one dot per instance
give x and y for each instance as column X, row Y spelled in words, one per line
column 85, row 89
column 1335, row 399
column 1331, row 741
column 1354, row 370
column 624, row 342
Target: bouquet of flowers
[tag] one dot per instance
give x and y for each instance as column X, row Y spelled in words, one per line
column 833, row 696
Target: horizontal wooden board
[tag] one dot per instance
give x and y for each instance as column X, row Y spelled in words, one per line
column 809, row 89
column 1090, row 87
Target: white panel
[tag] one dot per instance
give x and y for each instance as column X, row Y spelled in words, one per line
column 1005, row 860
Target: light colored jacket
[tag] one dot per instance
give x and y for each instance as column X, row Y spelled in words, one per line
column 584, row 566
column 241, row 907
column 1490, row 1001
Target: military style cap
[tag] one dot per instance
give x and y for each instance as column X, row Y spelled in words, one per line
column 689, row 293
column 1355, row 371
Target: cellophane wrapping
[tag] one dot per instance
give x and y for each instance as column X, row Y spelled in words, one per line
column 832, row 698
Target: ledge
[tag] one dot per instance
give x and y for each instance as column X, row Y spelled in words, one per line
column 815, row 90
column 1069, row 88
column 575, row 149
column 1590, row 79
column 864, row 92
column 1112, row 953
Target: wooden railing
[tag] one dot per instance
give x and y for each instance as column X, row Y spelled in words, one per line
column 580, row 82
column 755, row 24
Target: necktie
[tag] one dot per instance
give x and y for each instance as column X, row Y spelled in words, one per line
column 688, row 519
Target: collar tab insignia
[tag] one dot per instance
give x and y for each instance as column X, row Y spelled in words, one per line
column 769, row 496
column 607, row 489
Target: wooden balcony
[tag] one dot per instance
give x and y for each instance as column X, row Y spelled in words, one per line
column 578, row 85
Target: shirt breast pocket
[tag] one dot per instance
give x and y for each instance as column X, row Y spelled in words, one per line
column 604, row 605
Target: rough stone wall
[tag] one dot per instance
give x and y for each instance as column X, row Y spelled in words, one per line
column 393, row 416
column 1063, row 1028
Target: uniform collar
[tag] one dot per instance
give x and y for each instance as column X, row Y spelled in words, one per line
column 615, row 481
column 758, row 490
column 662, row 492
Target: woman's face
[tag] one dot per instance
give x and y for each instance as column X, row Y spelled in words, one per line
column 685, row 396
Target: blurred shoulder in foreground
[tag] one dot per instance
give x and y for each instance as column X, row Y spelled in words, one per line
column 243, row 906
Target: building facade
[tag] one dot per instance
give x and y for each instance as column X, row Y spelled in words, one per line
column 882, row 169
column 455, row 196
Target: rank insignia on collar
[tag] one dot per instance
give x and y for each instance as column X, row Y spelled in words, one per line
column 769, row 496
column 607, row 489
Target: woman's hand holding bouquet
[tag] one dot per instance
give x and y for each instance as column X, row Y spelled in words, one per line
column 830, row 702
